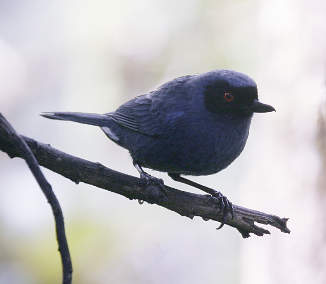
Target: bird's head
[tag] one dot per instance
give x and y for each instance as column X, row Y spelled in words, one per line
column 227, row 91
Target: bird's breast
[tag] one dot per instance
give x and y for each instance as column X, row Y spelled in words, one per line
column 196, row 148
column 212, row 148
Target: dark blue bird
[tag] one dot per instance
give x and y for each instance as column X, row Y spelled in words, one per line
column 192, row 125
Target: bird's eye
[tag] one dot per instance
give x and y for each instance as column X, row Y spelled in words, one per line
column 228, row 97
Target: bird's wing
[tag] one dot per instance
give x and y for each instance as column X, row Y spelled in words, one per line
column 140, row 115
column 150, row 114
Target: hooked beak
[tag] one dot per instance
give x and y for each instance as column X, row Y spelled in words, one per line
column 257, row 106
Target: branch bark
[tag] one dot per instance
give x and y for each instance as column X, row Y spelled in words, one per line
column 23, row 150
column 185, row 203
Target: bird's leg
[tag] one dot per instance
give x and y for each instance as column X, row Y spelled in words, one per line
column 147, row 178
column 224, row 204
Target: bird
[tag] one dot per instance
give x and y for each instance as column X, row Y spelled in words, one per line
column 193, row 125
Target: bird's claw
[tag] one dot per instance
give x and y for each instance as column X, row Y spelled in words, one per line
column 147, row 179
column 158, row 194
column 225, row 206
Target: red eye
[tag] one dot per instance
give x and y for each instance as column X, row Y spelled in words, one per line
column 228, row 97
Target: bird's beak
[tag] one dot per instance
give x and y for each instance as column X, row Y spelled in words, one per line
column 257, row 106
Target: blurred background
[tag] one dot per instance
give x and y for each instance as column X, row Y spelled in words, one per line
column 94, row 55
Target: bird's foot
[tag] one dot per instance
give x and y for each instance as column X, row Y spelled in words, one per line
column 147, row 179
column 225, row 206
column 156, row 194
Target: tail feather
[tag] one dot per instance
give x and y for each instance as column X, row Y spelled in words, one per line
column 86, row 118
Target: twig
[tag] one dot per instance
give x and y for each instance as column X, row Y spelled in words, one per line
column 25, row 152
column 185, row 203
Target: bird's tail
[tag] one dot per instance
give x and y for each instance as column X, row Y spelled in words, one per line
column 85, row 118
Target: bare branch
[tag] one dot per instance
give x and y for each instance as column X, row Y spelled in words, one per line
column 185, row 203
column 23, row 150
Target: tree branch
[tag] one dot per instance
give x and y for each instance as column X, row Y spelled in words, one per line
column 185, row 203
column 22, row 150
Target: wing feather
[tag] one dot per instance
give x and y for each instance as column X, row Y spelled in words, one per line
column 148, row 114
